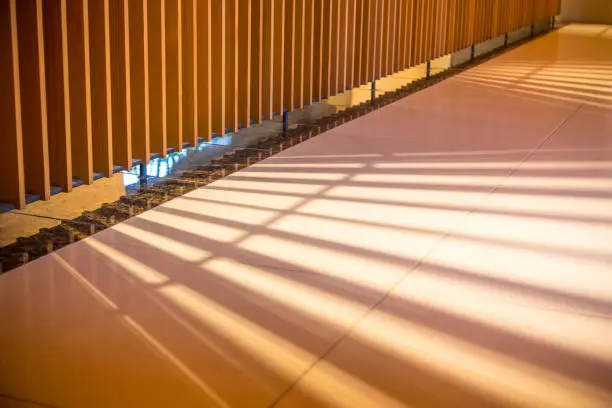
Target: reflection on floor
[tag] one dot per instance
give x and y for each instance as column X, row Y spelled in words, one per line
column 451, row 249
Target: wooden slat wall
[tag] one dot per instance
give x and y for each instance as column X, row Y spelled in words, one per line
column 89, row 84
column 231, row 64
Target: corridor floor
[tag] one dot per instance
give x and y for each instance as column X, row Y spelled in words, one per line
column 453, row 249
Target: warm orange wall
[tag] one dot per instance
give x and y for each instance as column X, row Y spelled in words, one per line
column 587, row 11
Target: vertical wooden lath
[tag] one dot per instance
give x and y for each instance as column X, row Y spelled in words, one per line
column 12, row 190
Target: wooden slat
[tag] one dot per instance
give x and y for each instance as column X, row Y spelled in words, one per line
column 189, row 101
column 267, row 59
column 278, row 49
column 33, row 97
column 231, row 65
column 289, row 75
column 365, row 48
column 420, row 16
column 300, row 52
column 244, row 63
column 318, row 37
column 360, row 43
column 309, row 50
column 326, row 47
column 440, row 23
column 451, row 38
column 408, row 32
column 401, row 38
column 218, row 71
column 342, row 45
column 386, row 37
column 203, row 62
column 351, row 30
column 156, row 92
column 172, row 53
column 395, row 37
column 354, row 44
column 139, row 77
column 120, row 83
column 380, row 35
column 334, row 47
column 256, row 56
column 12, row 188
column 101, row 114
column 57, row 93
column 77, row 15
column 104, row 81
column 371, row 23
column 428, row 28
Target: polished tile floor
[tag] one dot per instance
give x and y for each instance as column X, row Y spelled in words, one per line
column 453, row 249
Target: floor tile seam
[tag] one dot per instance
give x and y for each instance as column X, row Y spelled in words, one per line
column 10, row 397
column 349, row 330
column 534, row 150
